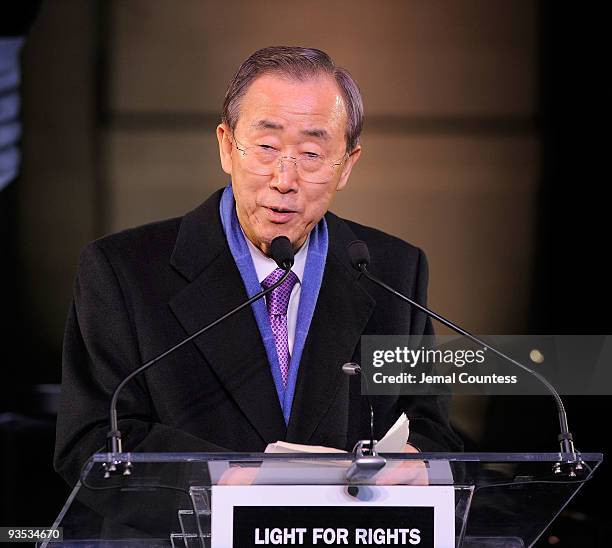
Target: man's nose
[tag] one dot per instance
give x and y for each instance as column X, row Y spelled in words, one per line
column 286, row 175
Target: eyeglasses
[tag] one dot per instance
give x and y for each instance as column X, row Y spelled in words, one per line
column 265, row 159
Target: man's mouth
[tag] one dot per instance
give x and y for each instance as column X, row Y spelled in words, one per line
column 281, row 210
column 280, row 214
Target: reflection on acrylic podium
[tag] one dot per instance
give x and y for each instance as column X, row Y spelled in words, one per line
column 456, row 499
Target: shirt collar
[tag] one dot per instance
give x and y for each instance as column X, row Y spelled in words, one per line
column 264, row 265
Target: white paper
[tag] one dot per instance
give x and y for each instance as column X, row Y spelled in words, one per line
column 396, row 437
column 286, row 447
column 392, row 442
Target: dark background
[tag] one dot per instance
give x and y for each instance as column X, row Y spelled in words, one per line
column 567, row 281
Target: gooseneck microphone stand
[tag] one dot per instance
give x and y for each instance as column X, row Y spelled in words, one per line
column 282, row 253
column 360, row 259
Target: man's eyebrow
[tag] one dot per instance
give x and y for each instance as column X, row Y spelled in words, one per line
column 266, row 124
column 316, row 132
column 319, row 133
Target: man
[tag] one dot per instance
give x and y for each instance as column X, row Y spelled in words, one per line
column 289, row 138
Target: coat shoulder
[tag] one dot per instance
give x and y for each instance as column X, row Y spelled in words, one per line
column 141, row 245
column 156, row 234
column 382, row 246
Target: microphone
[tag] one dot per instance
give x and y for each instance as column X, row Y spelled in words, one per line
column 364, row 465
column 359, row 256
column 282, row 253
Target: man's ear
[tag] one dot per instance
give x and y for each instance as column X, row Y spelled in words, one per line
column 347, row 167
column 225, row 147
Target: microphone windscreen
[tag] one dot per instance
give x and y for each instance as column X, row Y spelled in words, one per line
column 282, row 252
column 358, row 254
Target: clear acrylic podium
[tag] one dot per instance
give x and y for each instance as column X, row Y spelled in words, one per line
column 501, row 499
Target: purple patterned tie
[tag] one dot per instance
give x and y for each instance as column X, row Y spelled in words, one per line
column 278, row 301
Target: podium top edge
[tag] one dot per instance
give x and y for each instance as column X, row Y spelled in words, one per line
column 249, row 457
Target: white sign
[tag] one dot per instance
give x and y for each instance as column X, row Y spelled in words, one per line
column 326, row 515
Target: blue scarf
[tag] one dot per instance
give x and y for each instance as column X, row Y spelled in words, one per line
column 311, row 283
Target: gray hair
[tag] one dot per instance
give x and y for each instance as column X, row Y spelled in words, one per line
column 299, row 64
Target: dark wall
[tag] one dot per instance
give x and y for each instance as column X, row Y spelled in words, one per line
column 571, row 292
column 44, row 219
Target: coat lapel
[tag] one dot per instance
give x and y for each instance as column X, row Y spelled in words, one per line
column 233, row 349
column 340, row 317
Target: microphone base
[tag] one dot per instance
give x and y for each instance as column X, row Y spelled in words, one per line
column 575, row 470
column 572, row 467
column 366, row 462
column 114, row 465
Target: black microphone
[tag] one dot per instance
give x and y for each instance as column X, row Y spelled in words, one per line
column 282, row 253
column 359, row 256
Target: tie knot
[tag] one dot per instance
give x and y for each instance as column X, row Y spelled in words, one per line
column 278, row 299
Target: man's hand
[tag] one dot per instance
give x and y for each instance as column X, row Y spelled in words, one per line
column 239, row 475
column 408, row 472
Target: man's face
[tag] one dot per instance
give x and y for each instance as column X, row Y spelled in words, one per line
column 295, row 118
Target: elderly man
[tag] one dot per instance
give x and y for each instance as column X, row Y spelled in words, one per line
column 289, row 139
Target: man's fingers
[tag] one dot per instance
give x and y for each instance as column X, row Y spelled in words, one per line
column 407, row 473
column 238, row 476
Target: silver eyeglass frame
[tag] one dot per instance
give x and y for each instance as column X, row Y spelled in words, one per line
column 278, row 164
